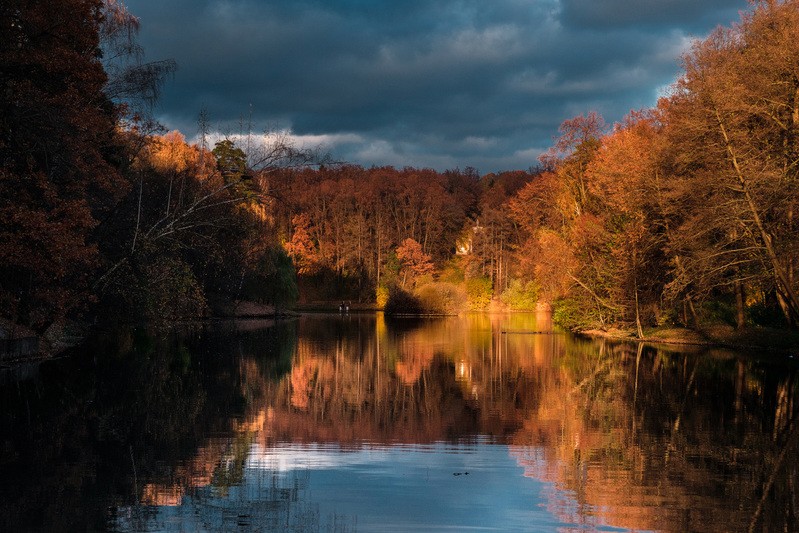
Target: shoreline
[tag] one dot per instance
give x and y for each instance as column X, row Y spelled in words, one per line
column 721, row 336
column 782, row 341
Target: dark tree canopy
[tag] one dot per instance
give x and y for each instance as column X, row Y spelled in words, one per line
column 57, row 170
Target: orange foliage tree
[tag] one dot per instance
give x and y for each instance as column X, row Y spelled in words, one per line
column 301, row 248
column 414, row 261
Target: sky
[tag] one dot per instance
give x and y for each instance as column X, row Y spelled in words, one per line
column 439, row 84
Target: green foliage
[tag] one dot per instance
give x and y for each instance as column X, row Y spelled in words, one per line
column 479, row 293
column 381, row 295
column 232, row 164
column 391, row 269
column 718, row 310
column 273, row 280
column 452, row 272
column 521, row 295
column 575, row 314
column 231, row 161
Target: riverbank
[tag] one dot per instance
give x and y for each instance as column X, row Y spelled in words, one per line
column 721, row 335
column 19, row 344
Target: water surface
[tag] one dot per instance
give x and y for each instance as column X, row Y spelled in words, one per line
column 358, row 423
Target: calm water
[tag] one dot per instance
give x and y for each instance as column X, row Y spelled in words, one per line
column 356, row 423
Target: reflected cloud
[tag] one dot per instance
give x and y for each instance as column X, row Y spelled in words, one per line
column 313, row 456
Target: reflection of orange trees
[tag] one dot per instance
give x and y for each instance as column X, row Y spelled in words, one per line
column 195, row 473
column 394, row 386
column 638, row 441
column 416, row 358
column 310, row 378
column 579, row 438
column 413, row 384
column 164, row 495
column 631, row 438
column 350, row 393
column 215, row 461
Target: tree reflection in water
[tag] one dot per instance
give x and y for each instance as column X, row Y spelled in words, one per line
column 639, row 437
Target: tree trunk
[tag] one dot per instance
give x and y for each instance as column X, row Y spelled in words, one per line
column 740, row 316
column 638, row 313
column 791, row 309
column 693, row 321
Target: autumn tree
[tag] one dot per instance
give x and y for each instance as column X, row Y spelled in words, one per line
column 170, row 153
column 736, row 116
column 570, row 155
column 414, row 261
column 58, row 156
column 626, row 178
column 301, row 248
column 493, row 235
column 356, row 218
column 565, row 246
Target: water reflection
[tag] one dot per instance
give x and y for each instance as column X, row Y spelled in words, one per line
column 343, row 423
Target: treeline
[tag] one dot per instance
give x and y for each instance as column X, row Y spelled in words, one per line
column 357, row 233
column 685, row 212
column 104, row 216
column 679, row 214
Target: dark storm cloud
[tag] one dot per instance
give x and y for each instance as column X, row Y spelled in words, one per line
column 690, row 15
column 422, row 83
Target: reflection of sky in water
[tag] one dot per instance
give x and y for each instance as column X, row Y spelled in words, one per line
column 314, row 487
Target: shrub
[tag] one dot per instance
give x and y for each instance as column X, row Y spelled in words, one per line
column 165, row 290
column 441, row 298
column 521, row 296
column 575, row 314
column 452, row 272
column 402, row 302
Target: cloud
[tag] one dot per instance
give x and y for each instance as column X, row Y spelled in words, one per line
column 416, row 82
column 687, row 14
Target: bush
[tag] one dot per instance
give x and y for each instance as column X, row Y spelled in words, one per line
column 273, row 281
column 521, row 296
column 452, row 272
column 441, row 298
column 718, row 311
column 575, row 314
column 402, row 302
column 165, row 290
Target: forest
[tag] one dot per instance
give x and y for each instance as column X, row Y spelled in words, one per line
column 680, row 214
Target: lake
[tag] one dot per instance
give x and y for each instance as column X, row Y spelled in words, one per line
column 357, row 422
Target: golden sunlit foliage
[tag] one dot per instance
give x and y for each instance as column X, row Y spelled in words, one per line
column 170, row 153
column 683, row 212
